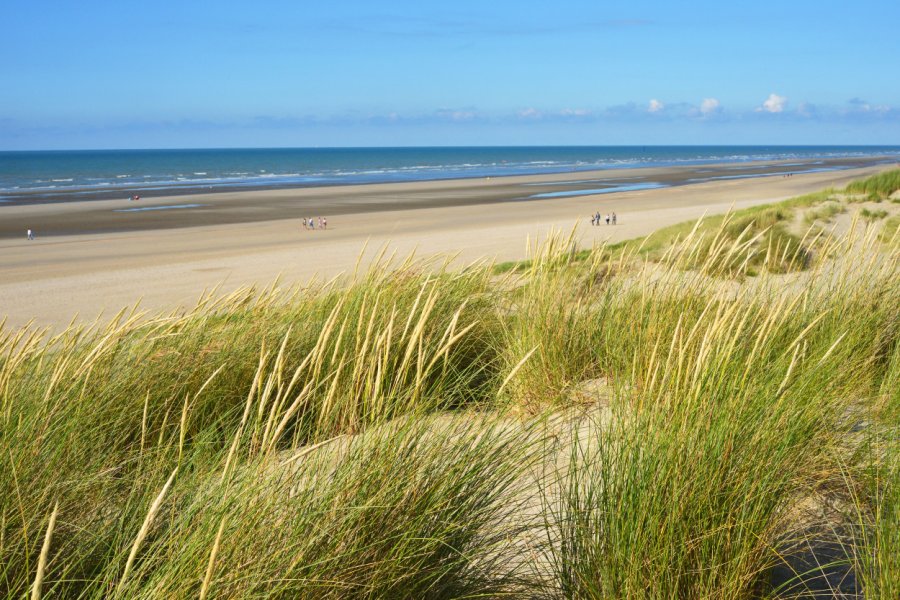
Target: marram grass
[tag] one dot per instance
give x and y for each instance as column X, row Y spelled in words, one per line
column 678, row 419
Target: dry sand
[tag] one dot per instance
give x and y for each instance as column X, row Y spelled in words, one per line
column 170, row 262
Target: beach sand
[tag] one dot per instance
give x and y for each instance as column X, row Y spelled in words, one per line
column 90, row 258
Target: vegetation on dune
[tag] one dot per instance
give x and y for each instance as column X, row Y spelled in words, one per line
column 116, row 409
column 824, row 212
column 873, row 215
column 552, row 331
column 757, row 226
column 889, row 233
column 644, row 420
column 406, row 510
column 736, row 415
column 877, row 187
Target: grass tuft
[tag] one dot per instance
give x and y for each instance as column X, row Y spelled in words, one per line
column 712, row 409
column 878, row 187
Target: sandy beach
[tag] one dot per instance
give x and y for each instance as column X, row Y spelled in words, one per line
column 98, row 256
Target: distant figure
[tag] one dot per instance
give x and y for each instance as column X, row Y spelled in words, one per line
column 593, row 220
column 614, row 218
column 312, row 224
column 597, row 217
column 30, row 235
column 607, row 219
column 324, row 223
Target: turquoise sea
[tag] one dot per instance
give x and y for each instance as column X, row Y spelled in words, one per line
column 113, row 173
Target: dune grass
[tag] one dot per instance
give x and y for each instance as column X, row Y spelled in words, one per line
column 553, row 329
column 878, row 187
column 889, row 233
column 873, row 215
column 114, row 410
column 397, row 434
column 415, row 509
column 735, row 418
column 824, row 212
column 876, row 512
column 758, row 218
column 875, row 491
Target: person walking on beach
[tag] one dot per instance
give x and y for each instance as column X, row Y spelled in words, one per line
column 607, row 219
column 614, row 218
column 30, row 235
column 324, row 222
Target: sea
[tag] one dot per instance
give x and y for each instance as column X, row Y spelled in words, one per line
column 78, row 174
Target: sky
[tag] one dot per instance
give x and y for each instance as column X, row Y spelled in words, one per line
column 304, row 73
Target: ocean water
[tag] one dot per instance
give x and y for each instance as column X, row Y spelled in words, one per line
column 111, row 172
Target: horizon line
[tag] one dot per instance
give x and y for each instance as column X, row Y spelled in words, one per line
column 448, row 147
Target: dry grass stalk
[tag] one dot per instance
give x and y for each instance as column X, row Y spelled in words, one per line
column 38, row 586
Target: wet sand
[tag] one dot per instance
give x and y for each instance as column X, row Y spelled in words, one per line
column 90, row 258
column 73, row 215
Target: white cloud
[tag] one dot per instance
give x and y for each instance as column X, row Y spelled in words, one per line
column 773, row 104
column 575, row 112
column 709, row 106
column 530, row 113
column 655, row 106
column 456, row 115
column 860, row 105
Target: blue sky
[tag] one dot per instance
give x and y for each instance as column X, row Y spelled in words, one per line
column 128, row 74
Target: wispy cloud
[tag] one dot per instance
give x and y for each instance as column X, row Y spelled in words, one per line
column 860, row 105
column 710, row 106
column 854, row 113
column 530, row 113
column 456, row 114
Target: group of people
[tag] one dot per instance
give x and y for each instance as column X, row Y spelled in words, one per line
column 596, row 219
column 310, row 223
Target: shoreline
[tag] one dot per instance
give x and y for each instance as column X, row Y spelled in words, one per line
column 166, row 188
column 53, row 278
column 116, row 216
